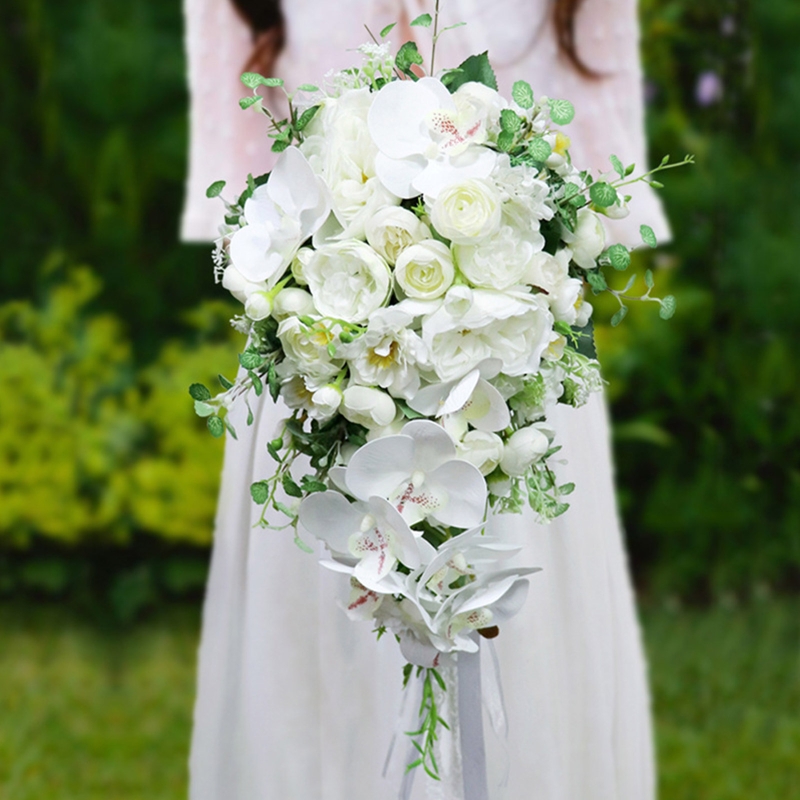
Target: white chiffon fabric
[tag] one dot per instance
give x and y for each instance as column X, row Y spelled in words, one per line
column 296, row 702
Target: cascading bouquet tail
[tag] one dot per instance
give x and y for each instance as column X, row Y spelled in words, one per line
column 413, row 273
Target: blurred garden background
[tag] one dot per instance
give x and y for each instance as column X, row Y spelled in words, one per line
column 108, row 480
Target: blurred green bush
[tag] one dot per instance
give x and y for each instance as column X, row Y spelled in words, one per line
column 101, row 458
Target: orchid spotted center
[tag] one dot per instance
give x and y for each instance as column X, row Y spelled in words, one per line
column 453, row 132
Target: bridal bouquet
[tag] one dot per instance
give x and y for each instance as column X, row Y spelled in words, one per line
column 413, row 274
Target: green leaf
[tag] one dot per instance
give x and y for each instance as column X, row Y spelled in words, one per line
column 629, row 170
column 617, row 164
column 251, row 79
column 203, row 409
column 423, row 21
column 597, row 281
column 216, row 426
column 273, row 382
column 657, row 184
column 290, row 487
column 475, row 68
column 648, row 279
column 619, row 316
column 273, row 451
column 510, row 121
column 306, row 117
column 619, row 256
column 259, row 492
column 307, row 87
column 385, row 32
column 407, row 56
column 522, row 94
column 603, row 194
column 250, row 359
column 302, row 545
column 648, row 237
column 250, row 416
column 505, row 140
column 566, row 488
column 231, row 430
column 668, row 305
column 539, row 150
column 284, row 509
column 258, row 386
column 272, row 81
column 199, row 392
column 331, row 348
column 311, row 485
column 215, row 189
column 279, row 145
column 562, row 112
column 246, row 102
column 224, row 382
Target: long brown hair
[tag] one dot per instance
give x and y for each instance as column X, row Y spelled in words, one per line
column 265, row 17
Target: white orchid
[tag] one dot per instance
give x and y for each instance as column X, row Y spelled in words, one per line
column 418, row 472
column 427, row 141
column 280, row 215
column 373, row 533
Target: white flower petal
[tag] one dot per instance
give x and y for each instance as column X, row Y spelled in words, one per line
column 494, row 414
column 299, row 193
column 432, row 444
column 475, row 162
column 380, row 466
column 398, row 174
column 389, row 519
column 465, row 490
column 331, row 518
column 252, row 253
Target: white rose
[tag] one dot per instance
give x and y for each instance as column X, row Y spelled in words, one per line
column 348, row 280
column 258, row 305
column 325, row 402
column 425, row 271
column 499, row 262
column 303, row 256
column 391, row 230
column 292, row 302
column 548, row 272
column 467, row 212
column 523, row 448
column 307, row 348
column 512, row 327
column 340, row 149
column 481, row 448
column 369, row 407
column 588, row 240
column 239, row 286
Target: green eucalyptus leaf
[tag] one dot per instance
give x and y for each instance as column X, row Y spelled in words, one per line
column 617, row 164
column 250, row 359
column 215, row 189
column 648, row 237
column 272, row 81
column 539, row 149
column 562, row 112
column 603, row 194
column 619, row 256
column 246, row 102
column 307, row 87
column 597, row 281
column 619, row 316
column 522, row 94
column 290, row 487
column 505, row 140
column 251, row 79
column 387, row 30
column 648, row 279
column 422, row 21
column 259, row 491
column 203, row 409
column 510, row 120
column 199, row 392
column 216, row 427
column 668, row 305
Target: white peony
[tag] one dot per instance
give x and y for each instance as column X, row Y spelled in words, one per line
column 523, row 448
column 588, row 240
column 467, row 212
column 372, row 408
column 388, row 354
column 481, row 448
column 392, row 229
column 499, row 262
column 548, row 272
column 425, row 270
column 512, row 327
column 292, row 302
column 348, row 280
column 340, row 149
column 306, row 349
column 427, row 140
column 280, row 215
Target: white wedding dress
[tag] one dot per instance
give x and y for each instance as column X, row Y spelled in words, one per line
column 295, row 702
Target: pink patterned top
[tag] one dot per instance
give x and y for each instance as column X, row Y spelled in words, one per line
column 227, row 143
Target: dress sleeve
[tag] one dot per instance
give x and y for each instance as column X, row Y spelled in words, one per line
column 224, row 141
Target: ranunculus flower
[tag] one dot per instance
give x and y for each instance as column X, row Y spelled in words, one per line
column 588, row 240
column 523, row 448
column 481, row 448
column 340, row 149
column 392, row 229
column 348, row 281
column 513, row 327
column 467, row 212
column 499, row 262
column 372, row 408
column 425, row 270
column 281, row 215
column 292, row 302
column 426, row 141
column 548, row 272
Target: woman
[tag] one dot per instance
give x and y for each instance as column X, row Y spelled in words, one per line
column 294, row 700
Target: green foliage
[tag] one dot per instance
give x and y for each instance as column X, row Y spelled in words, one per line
column 522, row 94
column 475, row 68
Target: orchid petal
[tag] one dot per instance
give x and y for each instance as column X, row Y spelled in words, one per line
column 260, row 208
column 252, row 253
column 465, row 489
column 439, row 173
column 398, row 174
column 461, row 393
column 380, row 466
column 372, row 568
column 395, row 527
column 330, row 517
column 432, row 444
column 296, row 189
column 487, row 410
